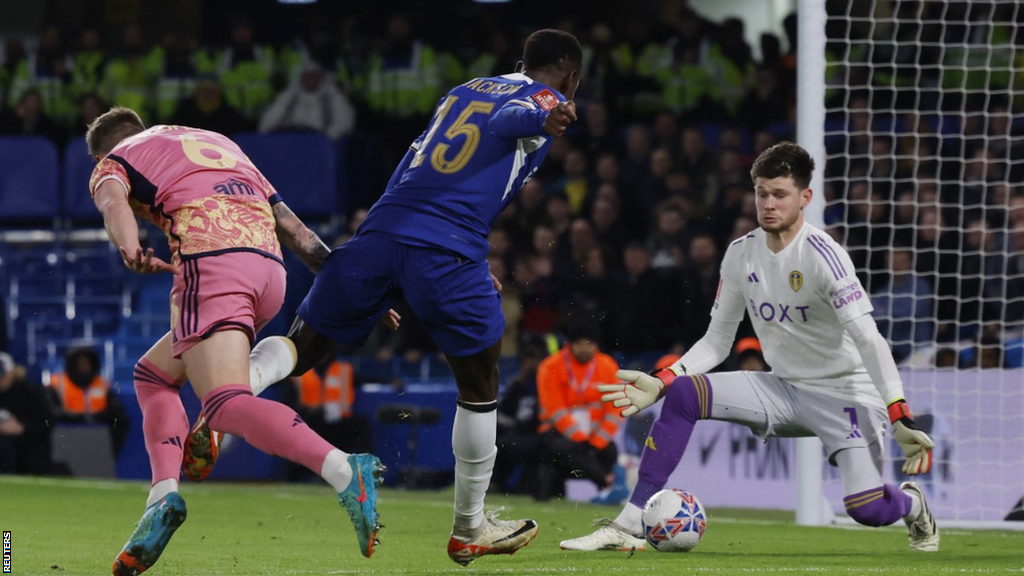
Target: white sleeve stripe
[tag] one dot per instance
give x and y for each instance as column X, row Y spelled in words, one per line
column 518, row 161
column 114, row 178
column 524, row 104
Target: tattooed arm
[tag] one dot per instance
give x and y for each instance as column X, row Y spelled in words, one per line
column 300, row 239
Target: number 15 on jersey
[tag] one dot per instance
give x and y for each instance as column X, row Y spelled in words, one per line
column 439, row 157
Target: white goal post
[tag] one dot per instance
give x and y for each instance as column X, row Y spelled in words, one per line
column 909, row 110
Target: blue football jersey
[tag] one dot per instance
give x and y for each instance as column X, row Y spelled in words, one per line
column 485, row 141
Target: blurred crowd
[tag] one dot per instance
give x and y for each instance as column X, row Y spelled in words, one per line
column 626, row 222
column 924, row 138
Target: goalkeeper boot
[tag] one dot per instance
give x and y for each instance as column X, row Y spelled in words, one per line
column 359, row 499
column 151, row 536
column 494, row 536
column 610, row 536
column 922, row 532
column 202, row 446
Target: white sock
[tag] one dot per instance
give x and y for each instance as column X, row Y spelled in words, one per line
column 161, row 489
column 271, row 361
column 336, row 470
column 915, row 507
column 473, row 442
column 629, row 519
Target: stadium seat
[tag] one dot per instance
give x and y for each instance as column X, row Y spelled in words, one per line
column 508, row 367
column 711, row 131
column 85, row 449
column 78, row 167
column 24, row 286
column 782, row 130
column 1014, row 353
column 29, row 173
column 110, row 285
column 102, row 260
column 948, row 124
column 39, row 308
column 301, row 166
column 370, row 369
column 342, row 175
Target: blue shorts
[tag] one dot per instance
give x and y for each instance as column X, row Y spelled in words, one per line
column 452, row 296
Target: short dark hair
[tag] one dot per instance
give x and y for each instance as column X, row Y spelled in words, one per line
column 109, row 128
column 784, row 159
column 582, row 329
column 551, row 47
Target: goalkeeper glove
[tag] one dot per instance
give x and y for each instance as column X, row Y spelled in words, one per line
column 638, row 390
column 916, row 445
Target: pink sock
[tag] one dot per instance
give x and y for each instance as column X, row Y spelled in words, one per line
column 270, row 426
column 164, row 423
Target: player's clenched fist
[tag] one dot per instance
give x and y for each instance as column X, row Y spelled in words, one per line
column 560, row 116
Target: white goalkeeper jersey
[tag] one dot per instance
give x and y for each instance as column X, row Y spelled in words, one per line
column 799, row 301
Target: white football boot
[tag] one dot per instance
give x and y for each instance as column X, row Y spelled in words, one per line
column 494, row 537
column 922, row 533
column 610, row 536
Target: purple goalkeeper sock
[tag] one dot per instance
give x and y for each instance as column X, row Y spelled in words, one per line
column 687, row 400
column 879, row 506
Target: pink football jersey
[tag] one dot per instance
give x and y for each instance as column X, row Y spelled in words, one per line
column 198, row 187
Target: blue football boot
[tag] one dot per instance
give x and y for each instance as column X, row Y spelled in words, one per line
column 151, row 536
column 360, row 499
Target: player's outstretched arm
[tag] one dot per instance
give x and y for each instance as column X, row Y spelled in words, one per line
column 640, row 390
column 123, row 230
column 523, row 119
column 636, row 391
column 294, row 234
column 877, row 358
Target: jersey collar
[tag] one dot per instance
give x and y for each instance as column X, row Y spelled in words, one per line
column 518, row 76
column 804, row 228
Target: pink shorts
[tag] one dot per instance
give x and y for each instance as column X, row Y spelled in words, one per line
column 232, row 291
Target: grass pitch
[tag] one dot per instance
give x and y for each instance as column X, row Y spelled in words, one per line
column 72, row 527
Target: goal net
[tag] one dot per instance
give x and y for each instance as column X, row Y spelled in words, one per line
column 924, row 147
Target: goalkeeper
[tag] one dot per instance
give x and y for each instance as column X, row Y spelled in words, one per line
column 834, row 375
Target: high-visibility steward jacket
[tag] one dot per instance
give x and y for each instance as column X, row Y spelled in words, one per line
column 171, row 86
column 483, row 66
column 570, row 402
column 335, row 392
column 128, row 82
column 644, row 61
column 684, row 86
column 984, row 60
column 351, row 75
column 248, row 84
column 404, row 91
column 92, row 400
column 54, row 92
column 731, row 79
column 86, row 72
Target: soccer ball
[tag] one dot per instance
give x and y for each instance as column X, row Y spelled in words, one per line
column 674, row 521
